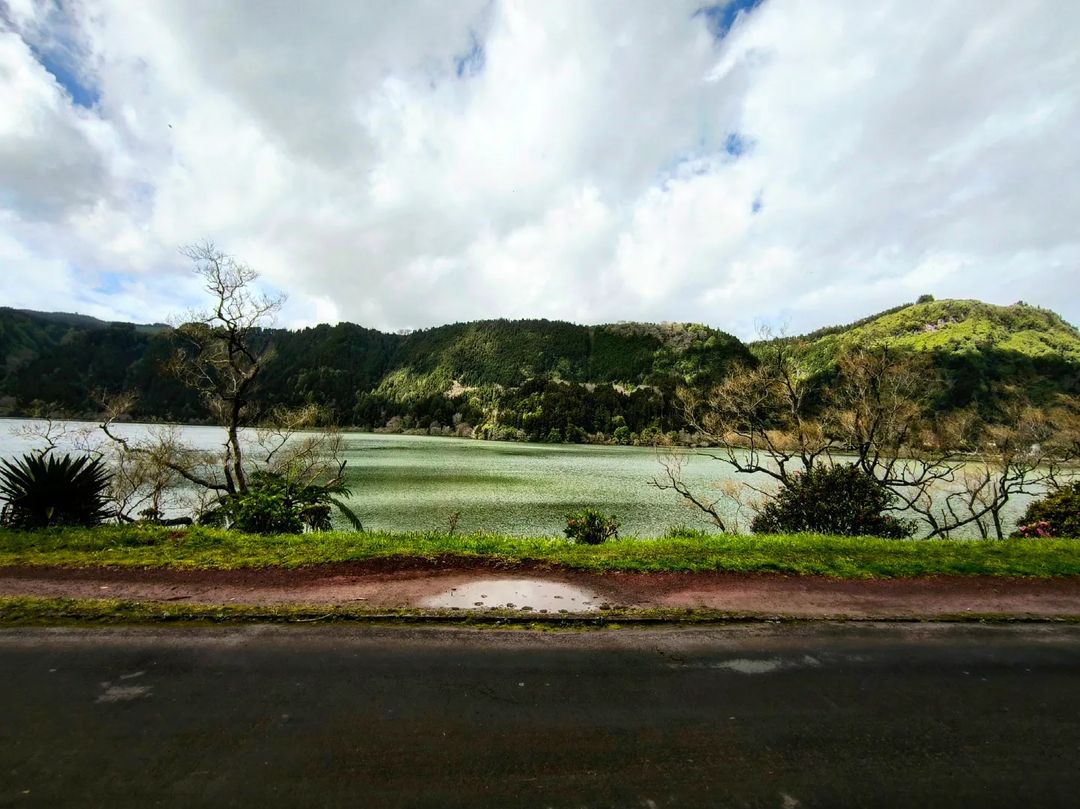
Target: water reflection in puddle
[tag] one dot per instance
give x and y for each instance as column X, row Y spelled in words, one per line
column 529, row 595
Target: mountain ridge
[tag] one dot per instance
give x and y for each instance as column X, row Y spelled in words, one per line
column 537, row 378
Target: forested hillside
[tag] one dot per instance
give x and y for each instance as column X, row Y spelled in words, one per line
column 534, row 379
column 984, row 352
column 524, row 379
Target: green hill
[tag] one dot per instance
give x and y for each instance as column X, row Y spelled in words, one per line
column 981, row 349
column 594, row 378
column 537, row 379
column 26, row 335
column 509, row 352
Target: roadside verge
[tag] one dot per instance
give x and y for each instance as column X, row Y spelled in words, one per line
column 518, row 593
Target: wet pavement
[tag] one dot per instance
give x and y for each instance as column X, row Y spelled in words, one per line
column 802, row 716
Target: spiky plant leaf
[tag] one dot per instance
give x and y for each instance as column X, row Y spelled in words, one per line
column 48, row 490
column 348, row 513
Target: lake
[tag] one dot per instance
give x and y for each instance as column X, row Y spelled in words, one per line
column 414, row 483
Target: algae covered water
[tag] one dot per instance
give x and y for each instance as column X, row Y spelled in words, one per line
column 415, row 483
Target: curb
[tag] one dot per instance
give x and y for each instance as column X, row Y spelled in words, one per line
column 32, row 611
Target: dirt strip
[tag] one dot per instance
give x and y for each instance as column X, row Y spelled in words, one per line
column 546, row 590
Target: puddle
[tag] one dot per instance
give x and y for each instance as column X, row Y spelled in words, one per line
column 122, row 693
column 744, row 665
column 767, row 665
column 751, row 666
column 528, row 595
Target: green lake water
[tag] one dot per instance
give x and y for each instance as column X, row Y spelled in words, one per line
column 414, row 483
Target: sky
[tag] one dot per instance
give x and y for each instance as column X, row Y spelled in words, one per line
column 409, row 163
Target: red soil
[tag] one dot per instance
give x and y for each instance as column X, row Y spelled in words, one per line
column 384, row 584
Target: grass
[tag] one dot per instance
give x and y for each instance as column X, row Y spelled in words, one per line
column 801, row 554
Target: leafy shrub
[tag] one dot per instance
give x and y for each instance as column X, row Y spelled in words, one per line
column 266, row 509
column 42, row 491
column 840, row 499
column 1056, row 515
column 575, row 434
column 650, row 435
column 278, row 504
column 590, row 527
column 1034, row 530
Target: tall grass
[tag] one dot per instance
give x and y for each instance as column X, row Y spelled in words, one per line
column 799, row 554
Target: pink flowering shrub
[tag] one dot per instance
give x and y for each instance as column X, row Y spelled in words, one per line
column 1035, row 530
column 1056, row 515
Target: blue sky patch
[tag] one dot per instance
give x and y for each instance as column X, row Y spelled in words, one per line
column 736, row 145
column 110, row 282
column 472, row 61
column 704, row 157
column 60, row 66
column 757, row 204
column 720, row 17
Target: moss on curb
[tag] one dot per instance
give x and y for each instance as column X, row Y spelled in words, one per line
column 25, row 611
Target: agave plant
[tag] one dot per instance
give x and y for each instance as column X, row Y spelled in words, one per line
column 42, row 491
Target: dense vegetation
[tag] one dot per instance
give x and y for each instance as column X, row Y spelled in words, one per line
column 531, row 379
column 534, row 379
column 870, row 392
column 276, row 503
column 984, row 352
column 832, row 499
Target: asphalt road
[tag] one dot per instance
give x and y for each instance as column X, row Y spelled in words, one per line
column 810, row 715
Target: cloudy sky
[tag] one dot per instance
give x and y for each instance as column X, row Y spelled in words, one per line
column 406, row 164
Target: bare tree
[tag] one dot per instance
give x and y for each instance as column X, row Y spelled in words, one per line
column 1029, row 455
column 47, row 431
column 671, row 461
column 779, row 419
column 221, row 353
column 164, row 448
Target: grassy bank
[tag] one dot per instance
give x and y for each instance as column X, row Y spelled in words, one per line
column 801, row 554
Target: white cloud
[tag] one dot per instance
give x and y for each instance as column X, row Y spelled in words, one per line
column 408, row 164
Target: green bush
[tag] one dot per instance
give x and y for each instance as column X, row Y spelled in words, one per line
column 840, row 499
column 261, row 511
column 1056, row 515
column 43, row 491
column 277, row 504
column 590, row 527
column 575, row 434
